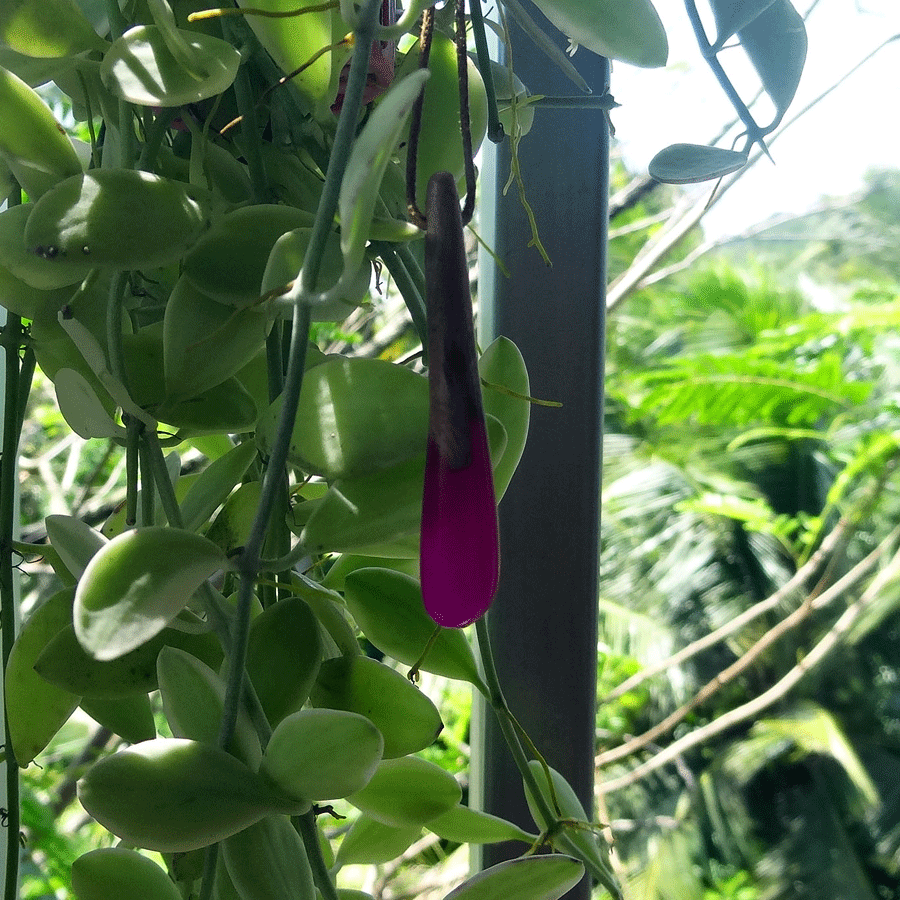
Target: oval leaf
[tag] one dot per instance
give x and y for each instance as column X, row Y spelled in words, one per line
column 407, row 791
column 528, row 878
column 355, row 416
column 47, row 28
column 75, row 541
column 193, row 699
column 322, row 754
column 113, row 218
column 141, row 68
column 371, row 843
column 81, row 407
column 36, row 709
column 116, row 872
column 138, row 583
column 691, row 163
column 175, row 795
column 283, row 656
column 406, row 718
column 129, row 716
column 627, row 30
column 387, row 606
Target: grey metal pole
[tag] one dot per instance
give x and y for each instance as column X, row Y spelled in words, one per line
column 543, row 623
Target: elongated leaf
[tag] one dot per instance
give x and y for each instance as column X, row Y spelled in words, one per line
column 81, row 407
column 528, row 878
column 36, row 709
column 136, row 584
column 268, row 861
column 691, row 163
column 371, row 153
column 776, row 43
column 215, row 483
column 471, row 826
column 32, row 144
column 733, row 15
column 627, row 30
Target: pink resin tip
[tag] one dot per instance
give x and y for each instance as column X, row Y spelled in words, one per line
column 459, row 553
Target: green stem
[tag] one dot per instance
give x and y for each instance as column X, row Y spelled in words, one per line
column 132, row 458
column 246, row 105
column 495, row 128
column 115, row 303
column 509, row 728
column 162, row 481
column 148, row 491
column 12, row 339
column 408, row 288
column 306, row 828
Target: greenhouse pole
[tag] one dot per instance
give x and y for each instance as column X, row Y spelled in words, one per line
column 543, row 624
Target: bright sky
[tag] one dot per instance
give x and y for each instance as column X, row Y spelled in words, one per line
column 826, row 152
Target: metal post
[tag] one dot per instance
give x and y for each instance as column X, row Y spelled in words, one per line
column 543, row 623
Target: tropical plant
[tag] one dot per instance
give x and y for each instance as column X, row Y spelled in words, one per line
column 240, row 173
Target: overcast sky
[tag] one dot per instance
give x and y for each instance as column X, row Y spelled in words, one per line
column 827, row 151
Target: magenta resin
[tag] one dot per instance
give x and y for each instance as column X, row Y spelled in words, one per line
column 459, row 553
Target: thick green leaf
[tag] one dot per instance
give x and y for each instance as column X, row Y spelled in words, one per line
column 82, row 409
column 371, row 843
column 407, row 791
column 36, row 709
column 25, row 265
column 627, row 30
column 691, row 163
column 175, row 795
column 141, row 68
column 293, row 40
column 129, row 716
column 776, row 43
column 355, row 416
column 368, row 160
column 116, row 873
column 591, row 847
column 283, row 656
column 464, row 825
column 65, row 663
column 234, row 521
column 47, row 28
column 215, row 483
column 137, row 584
column 32, row 143
column 229, row 261
column 286, row 263
column 193, row 699
column 205, row 342
column 733, row 15
column 406, row 718
column 387, row 606
column 322, row 754
column 377, row 514
column 112, row 218
column 268, row 861
column 75, row 541
column 502, row 366
column 528, row 878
